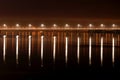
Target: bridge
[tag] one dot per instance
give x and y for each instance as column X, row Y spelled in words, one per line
column 62, row 29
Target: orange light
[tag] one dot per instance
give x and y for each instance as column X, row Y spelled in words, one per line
column 42, row 25
column 54, row 25
column 17, row 25
column 66, row 25
column 102, row 25
column 90, row 25
column 30, row 25
column 113, row 25
column 4, row 25
column 78, row 25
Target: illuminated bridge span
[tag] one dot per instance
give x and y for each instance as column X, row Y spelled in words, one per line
column 66, row 27
column 55, row 42
column 59, row 29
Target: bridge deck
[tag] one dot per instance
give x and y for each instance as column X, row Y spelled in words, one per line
column 59, row 29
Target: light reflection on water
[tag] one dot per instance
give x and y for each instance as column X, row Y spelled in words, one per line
column 29, row 49
column 54, row 48
column 49, row 44
column 113, row 50
column 46, row 52
column 78, row 49
column 17, row 37
column 101, row 51
column 90, row 47
column 66, row 49
column 42, row 41
column 4, row 47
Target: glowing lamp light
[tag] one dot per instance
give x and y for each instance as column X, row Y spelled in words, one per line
column 102, row 25
column 66, row 25
column 113, row 25
column 78, row 25
column 42, row 25
column 17, row 25
column 30, row 25
column 54, row 25
column 4, row 25
column 90, row 25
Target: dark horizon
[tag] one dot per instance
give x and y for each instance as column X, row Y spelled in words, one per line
column 58, row 9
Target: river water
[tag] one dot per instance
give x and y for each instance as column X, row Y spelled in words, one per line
column 64, row 53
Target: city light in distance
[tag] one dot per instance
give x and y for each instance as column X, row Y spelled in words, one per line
column 102, row 25
column 17, row 25
column 66, row 25
column 42, row 25
column 4, row 25
column 78, row 25
column 63, row 26
column 90, row 25
column 113, row 25
column 29, row 25
column 54, row 25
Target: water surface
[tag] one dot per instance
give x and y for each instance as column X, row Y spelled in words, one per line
column 64, row 53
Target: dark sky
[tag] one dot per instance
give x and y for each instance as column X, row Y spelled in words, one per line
column 60, row 8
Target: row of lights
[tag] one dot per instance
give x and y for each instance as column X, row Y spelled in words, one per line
column 29, row 25
column 66, row 25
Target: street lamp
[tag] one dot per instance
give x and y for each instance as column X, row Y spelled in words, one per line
column 29, row 25
column 66, row 25
column 54, row 25
column 42, row 25
column 113, row 25
column 102, row 25
column 90, row 25
column 78, row 25
column 17, row 25
column 4, row 25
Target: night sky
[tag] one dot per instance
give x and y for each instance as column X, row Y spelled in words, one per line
column 60, row 8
